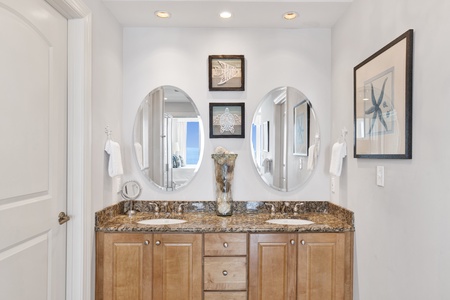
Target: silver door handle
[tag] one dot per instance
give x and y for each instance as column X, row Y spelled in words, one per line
column 63, row 218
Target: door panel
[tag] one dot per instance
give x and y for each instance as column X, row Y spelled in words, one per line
column 127, row 263
column 177, row 266
column 272, row 266
column 33, row 108
column 321, row 269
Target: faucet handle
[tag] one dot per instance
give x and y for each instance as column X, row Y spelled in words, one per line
column 180, row 208
column 272, row 208
column 156, row 210
column 296, row 209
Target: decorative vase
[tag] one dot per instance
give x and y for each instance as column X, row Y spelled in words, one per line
column 224, row 173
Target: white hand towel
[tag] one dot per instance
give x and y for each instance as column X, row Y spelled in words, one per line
column 138, row 150
column 338, row 152
column 115, row 158
column 312, row 155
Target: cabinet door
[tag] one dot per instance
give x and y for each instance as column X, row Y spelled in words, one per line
column 272, row 266
column 127, row 265
column 321, row 263
column 177, row 266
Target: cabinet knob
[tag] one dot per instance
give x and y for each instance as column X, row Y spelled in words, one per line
column 158, row 243
column 225, row 245
column 302, row 242
column 146, row 242
column 225, row 272
column 292, row 242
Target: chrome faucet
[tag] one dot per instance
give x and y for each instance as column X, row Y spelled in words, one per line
column 296, row 209
column 156, row 210
column 180, row 208
column 284, row 206
column 272, row 208
column 165, row 207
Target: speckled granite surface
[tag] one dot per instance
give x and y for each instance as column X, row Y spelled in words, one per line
column 247, row 217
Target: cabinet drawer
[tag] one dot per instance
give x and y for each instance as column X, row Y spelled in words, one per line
column 225, row 296
column 223, row 244
column 225, row 273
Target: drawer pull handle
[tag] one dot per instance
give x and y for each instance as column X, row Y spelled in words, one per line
column 158, row 243
column 302, row 242
column 146, row 242
column 225, row 272
column 292, row 242
column 225, row 245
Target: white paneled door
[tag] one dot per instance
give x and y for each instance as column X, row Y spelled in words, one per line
column 33, row 129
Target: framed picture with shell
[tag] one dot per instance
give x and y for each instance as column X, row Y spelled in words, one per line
column 226, row 72
column 227, row 120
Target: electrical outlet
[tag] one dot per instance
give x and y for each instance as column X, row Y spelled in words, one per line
column 380, row 175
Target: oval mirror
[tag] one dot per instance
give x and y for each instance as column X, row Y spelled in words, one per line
column 168, row 138
column 285, row 139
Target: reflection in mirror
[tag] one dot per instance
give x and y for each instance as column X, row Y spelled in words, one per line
column 168, row 138
column 285, row 139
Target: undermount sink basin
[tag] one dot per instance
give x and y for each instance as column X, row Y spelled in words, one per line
column 161, row 221
column 290, row 221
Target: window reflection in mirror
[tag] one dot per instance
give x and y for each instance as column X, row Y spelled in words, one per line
column 285, row 139
column 168, row 138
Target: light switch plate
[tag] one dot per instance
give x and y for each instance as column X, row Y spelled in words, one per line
column 380, row 175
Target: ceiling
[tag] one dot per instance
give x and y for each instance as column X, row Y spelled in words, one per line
column 246, row 14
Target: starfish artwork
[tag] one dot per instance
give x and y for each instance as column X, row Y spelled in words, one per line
column 375, row 110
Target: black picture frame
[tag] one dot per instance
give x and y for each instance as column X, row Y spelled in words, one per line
column 226, row 72
column 301, row 128
column 383, row 102
column 227, row 120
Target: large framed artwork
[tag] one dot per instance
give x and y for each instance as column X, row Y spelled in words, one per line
column 301, row 128
column 227, row 120
column 226, row 72
column 383, row 102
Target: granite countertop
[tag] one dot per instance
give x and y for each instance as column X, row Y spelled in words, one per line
column 247, row 217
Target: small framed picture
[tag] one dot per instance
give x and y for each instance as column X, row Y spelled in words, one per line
column 227, row 120
column 301, row 128
column 226, row 72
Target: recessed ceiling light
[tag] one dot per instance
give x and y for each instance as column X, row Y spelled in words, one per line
column 162, row 14
column 225, row 15
column 290, row 15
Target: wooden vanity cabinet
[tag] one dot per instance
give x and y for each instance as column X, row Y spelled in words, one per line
column 123, row 266
column 272, row 266
column 225, row 266
column 307, row 266
column 177, row 266
column 231, row 266
column 138, row 266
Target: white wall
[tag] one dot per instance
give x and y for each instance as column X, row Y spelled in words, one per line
column 106, row 97
column 179, row 57
column 106, row 108
column 402, row 245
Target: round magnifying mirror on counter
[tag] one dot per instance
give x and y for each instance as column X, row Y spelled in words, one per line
column 168, row 138
column 131, row 191
column 285, row 139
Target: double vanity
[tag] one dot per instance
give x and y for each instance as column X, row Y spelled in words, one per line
column 265, row 250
